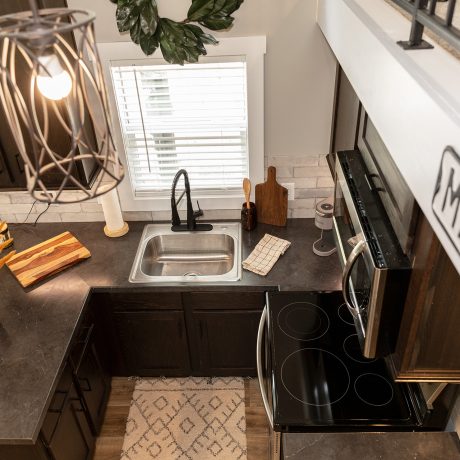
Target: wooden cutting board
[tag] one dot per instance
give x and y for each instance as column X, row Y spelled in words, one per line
column 271, row 201
column 47, row 258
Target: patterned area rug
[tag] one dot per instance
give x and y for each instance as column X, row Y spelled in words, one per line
column 186, row 419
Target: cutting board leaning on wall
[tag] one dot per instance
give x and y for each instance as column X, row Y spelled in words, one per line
column 271, row 201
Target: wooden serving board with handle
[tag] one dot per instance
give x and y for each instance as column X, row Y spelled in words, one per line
column 271, row 201
column 47, row 258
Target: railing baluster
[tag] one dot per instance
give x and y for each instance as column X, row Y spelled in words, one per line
column 423, row 14
column 450, row 12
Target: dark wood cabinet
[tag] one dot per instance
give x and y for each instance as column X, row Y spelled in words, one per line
column 72, row 439
column 153, row 343
column 226, row 342
column 92, row 381
column 428, row 344
column 222, row 330
column 66, row 432
column 210, row 333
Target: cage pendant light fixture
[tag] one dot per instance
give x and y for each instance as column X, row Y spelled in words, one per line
column 54, row 99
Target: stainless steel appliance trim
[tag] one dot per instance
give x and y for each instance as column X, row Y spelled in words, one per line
column 354, row 255
column 374, row 312
column 260, row 333
column 338, row 242
column 351, row 207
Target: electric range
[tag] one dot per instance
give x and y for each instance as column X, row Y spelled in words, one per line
column 314, row 376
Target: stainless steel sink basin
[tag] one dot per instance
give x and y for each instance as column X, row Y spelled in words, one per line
column 188, row 257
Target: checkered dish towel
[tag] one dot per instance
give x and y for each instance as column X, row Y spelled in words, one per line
column 265, row 254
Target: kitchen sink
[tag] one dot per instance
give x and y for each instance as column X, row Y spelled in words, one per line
column 164, row 256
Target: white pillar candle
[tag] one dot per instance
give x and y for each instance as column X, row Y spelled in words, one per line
column 115, row 225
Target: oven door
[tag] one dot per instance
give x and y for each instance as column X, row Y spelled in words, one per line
column 265, row 376
column 359, row 270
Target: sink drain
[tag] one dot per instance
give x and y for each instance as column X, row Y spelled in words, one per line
column 191, row 274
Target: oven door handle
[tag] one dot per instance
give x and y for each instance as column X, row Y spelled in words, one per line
column 352, row 259
column 260, row 334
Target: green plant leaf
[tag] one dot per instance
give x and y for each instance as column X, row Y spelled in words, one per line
column 135, row 32
column 149, row 43
column 200, row 9
column 149, row 17
column 231, row 6
column 217, row 22
column 127, row 15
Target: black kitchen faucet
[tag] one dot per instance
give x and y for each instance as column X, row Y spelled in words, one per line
column 191, row 226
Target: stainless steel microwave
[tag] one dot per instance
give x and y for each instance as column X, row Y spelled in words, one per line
column 375, row 269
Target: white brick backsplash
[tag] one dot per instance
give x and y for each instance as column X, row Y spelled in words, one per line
column 284, row 171
column 5, row 198
column 10, row 218
column 309, row 174
column 312, row 171
column 91, row 207
column 82, row 217
column 46, row 217
column 301, row 193
column 307, row 203
column 293, row 161
column 21, row 197
column 323, row 161
column 14, row 208
column 309, row 182
column 221, row 214
column 303, row 213
column 137, row 215
column 325, row 182
column 161, row 216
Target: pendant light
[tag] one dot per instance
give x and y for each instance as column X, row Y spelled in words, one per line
column 51, row 82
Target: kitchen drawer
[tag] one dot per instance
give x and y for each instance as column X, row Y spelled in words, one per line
column 224, row 300
column 143, row 301
column 57, row 404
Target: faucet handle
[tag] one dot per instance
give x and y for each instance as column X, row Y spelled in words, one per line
column 199, row 212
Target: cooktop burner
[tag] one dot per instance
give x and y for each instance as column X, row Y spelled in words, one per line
column 352, row 349
column 303, row 321
column 317, row 375
column 373, row 389
column 345, row 315
column 301, row 364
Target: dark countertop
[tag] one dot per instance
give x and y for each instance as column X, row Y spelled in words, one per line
column 37, row 324
column 371, row 446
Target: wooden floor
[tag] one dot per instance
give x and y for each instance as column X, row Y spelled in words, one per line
column 110, row 442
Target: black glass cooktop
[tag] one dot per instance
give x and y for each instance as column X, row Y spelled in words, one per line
column 319, row 375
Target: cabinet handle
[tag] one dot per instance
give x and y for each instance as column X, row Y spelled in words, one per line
column 64, row 398
column 86, row 381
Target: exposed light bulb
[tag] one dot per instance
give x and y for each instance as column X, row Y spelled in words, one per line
column 53, row 81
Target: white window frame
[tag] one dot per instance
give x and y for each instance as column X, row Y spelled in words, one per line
column 253, row 50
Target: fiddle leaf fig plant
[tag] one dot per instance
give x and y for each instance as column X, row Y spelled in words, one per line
column 179, row 41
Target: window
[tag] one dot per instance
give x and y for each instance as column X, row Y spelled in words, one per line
column 206, row 118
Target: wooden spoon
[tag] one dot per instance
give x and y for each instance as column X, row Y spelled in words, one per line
column 247, row 191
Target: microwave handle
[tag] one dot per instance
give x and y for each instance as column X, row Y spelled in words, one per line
column 355, row 253
column 260, row 334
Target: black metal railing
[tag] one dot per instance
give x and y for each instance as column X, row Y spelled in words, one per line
column 427, row 13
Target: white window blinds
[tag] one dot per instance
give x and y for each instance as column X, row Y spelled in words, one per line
column 192, row 117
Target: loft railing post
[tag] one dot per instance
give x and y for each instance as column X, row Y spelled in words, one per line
column 416, row 41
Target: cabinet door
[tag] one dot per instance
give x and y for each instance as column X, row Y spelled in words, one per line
column 94, row 387
column 72, row 439
column 153, row 343
column 226, row 341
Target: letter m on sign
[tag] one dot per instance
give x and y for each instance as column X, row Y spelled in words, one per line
column 446, row 199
